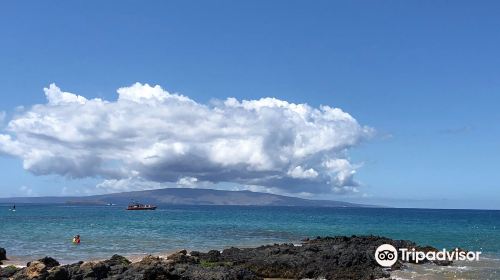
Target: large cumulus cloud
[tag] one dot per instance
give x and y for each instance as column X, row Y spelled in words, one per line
column 151, row 135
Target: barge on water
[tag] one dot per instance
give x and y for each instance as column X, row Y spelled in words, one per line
column 139, row 206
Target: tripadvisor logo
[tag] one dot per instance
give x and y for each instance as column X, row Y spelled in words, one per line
column 387, row 255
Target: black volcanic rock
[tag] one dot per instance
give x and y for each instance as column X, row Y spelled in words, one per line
column 330, row 258
column 320, row 258
column 47, row 261
column 8, row 272
column 3, row 254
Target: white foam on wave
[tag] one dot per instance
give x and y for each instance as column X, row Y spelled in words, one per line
column 483, row 269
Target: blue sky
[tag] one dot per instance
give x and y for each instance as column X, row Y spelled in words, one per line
column 423, row 74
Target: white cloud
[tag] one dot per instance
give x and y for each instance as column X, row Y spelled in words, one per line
column 127, row 184
column 278, row 191
column 344, row 174
column 57, row 97
column 139, row 184
column 299, row 172
column 187, row 182
column 149, row 137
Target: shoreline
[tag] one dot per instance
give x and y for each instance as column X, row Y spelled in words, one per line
column 134, row 258
column 338, row 257
column 137, row 256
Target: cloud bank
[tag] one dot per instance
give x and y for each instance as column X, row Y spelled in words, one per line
column 153, row 136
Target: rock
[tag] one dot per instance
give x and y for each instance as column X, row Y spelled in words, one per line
column 35, row 269
column 195, row 253
column 58, row 273
column 182, row 257
column 321, row 258
column 150, row 267
column 149, row 261
column 97, row 270
column 177, row 254
column 8, row 271
column 3, row 254
column 49, row 262
column 212, row 256
column 117, row 264
column 221, row 272
column 118, row 260
column 74, row 270
column 330, row 258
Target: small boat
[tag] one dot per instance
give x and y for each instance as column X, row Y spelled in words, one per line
column 138, row 206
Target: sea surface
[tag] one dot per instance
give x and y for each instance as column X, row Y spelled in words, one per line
column 34, row 231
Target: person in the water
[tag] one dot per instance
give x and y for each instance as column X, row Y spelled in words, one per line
column 76, row 239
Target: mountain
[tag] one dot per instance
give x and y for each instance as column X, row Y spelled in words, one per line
column 187, row 196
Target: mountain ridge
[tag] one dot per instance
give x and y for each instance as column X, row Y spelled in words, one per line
column 186, row 196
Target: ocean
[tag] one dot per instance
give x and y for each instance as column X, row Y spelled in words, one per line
column 35, row 231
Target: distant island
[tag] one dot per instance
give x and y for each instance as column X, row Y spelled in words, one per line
column 185, row 196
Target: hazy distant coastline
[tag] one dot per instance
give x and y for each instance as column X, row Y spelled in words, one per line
column 186, row 196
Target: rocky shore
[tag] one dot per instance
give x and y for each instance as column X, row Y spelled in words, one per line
column 319, row 258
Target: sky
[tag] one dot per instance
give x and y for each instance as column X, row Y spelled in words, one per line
column 382, row 102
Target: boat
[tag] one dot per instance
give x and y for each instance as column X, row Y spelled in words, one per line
column 139, row 206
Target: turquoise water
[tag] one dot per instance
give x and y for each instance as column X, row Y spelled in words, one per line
column 34, row 231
